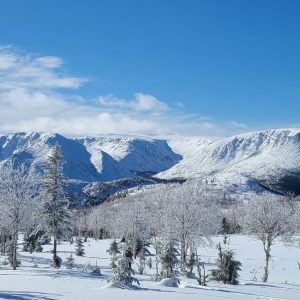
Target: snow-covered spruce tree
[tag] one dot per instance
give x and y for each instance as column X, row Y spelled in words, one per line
column 79, row 249
column 55, row 215
column 114, row 253
column 268, row 218
column 228, row 267
column 29, row 242
column 34, row 239
column 70, row 262
column 18, row 189
column 168, row 259
column 123, row 273
column 191, row 263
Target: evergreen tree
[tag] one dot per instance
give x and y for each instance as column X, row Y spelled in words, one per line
column 69, row 264
column 228, row 268
column 168, row 259
column 191, row 263
column 34, row 239
column 29, row 243
column 56, row 219
column 123, row 273
column 11, row 252
column 79, row 247
column 114, row 252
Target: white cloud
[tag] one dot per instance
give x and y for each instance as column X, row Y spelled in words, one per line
column 141, row 102
column 30, row 100
column 145, row 102
column 49, row 62
column 237, row 125
column 179, row 104
column 19, row 70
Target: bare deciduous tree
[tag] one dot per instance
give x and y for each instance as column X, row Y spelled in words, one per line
column 268, row 218
column 18, row 190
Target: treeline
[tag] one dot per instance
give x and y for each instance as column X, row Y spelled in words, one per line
column 175, row 219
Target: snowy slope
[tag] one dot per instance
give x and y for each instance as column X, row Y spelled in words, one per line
column 270, row 157
column 269, row 154
column 90, row 159
column 33, row 149
column 44, row 282
column 134, row 154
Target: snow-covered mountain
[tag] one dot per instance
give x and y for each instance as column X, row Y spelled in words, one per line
column 130, row 154
column 270, row 158
column 90, row 159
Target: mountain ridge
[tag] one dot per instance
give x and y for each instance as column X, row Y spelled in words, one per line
column 266, row 157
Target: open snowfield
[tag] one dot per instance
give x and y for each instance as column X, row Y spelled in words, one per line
column 44, row 282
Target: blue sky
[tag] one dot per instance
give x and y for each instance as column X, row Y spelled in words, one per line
column 194, row 67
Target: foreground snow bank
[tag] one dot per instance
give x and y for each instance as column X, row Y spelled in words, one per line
column 44, row 282
column 169, row 282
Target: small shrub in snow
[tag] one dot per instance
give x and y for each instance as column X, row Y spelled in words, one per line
column 228, row 268
column 202, row 276
column 70, row 262
column 5, row 262
column 87, row 268
column 96, row 270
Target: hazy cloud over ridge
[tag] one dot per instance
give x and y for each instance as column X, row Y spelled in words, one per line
column 31, row 100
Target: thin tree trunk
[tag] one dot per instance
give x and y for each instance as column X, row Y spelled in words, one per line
column 14, row 250
column 156, row 261
column 3, row 238
column 267, row 249
column 183, row 253
column 54, row 251
column 15, row 242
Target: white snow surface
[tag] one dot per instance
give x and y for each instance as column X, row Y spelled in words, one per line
column 252, row 155
column 44, row 282
column 90, row 159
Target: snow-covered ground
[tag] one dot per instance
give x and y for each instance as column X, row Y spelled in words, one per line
column 44, row 282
